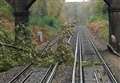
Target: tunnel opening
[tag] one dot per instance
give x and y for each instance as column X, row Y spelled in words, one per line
column 90, row 13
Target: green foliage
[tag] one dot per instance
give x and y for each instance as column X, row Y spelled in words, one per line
column 4, row 65
column 48, row 7
column 64, row 51
column 6, row 36
column 5, row 9
column 95, row 18
column 4, row 60
column 62, row 54
column 45, row 21
column 47, row 59
column 99, row 19
column 12, row 54
column 100, row 11
column 100, row 8
column 104, row 31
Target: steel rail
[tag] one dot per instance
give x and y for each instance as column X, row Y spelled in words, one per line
column 79, row 57
column 43, row 80
column 89, row 44
column 19, row 74
column 46, row 47
column 106, row 67
column 96, row 77
column 75, row 60
column 27, row 67
column 81, row 66
column 23, row 81
column 50, row 78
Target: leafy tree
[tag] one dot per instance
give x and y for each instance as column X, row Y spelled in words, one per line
column 5, row 9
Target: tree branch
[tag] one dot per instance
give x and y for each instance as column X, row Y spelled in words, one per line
column 11, row 46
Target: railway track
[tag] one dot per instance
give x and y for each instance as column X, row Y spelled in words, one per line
column 86, row 51
column 19, row 75
column 27, row 74
column 106, row 67
column 78, row 69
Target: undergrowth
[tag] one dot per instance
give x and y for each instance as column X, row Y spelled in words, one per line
column 62, row 54
column 98, row 22
column 44, row 21
column 5, row 10
column 12, row 55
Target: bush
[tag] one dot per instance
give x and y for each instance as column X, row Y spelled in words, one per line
column 12, row 54
column 99, row 20
column 44, row 21
column 100, row 8
column 95, row 18
column 5, row 65
column 5, row 9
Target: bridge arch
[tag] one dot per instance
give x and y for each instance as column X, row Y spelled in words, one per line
column 113, row 12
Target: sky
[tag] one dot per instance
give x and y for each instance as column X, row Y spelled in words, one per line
column 76, row 0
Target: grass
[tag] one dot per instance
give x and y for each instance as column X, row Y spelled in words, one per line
column 90, row 63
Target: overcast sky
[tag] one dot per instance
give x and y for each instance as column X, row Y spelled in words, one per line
column 76, row 0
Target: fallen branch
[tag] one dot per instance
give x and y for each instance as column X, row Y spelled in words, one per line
column 11, row 46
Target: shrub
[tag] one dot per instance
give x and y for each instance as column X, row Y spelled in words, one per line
column 44, row 21
column 99, row 20
column 5, row 9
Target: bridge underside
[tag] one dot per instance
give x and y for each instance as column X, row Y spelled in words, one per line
column 114, row 22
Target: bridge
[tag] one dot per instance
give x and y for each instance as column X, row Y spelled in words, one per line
column 89, row 65
column 21, row 14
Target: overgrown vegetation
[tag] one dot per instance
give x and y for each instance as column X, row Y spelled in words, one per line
column 5, row 10
column 46, row 17
column 98, row 21
column 45, row 21
column 13, row 53
column 60, row 52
